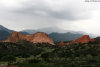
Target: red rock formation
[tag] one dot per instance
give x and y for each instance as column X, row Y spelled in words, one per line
column 13, row 66
column 39, row 37
column 68, row 43
column 61, row 43
column 15, row 37
column 83, row 39
column 92, row 40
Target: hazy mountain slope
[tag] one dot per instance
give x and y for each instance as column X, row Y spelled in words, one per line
column 23, row 32
column 65, row 36
column 5, row 29
column 4, row 32
column 4, row 35
column 60, row 35
column 48, row 30
column 29, row 31
column 53, row 29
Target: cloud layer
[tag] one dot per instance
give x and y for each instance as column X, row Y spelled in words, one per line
column 75, row 15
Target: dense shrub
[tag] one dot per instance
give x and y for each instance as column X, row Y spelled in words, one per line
column 39, row 55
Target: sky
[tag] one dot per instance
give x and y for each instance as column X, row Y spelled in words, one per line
column 76, row 15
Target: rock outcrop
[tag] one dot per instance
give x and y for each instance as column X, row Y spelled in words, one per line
column 83, row 39
column 63, row 44
column 92, row 40
column 15, row 37
column 39, row 37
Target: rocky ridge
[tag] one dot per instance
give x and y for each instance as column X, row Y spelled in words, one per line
column 39, row 37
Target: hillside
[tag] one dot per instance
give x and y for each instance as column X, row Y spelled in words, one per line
column 4, row 35
column 4, row 32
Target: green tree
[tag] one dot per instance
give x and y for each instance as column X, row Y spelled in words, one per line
column 8, row 58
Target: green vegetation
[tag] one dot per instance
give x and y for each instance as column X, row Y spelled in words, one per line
column 26, row 54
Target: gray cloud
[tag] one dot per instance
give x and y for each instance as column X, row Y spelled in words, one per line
column 35, row 14
column 43, row 9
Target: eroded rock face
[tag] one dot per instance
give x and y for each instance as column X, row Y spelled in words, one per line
column 63, row 44
column 83, row 39
column 39, row 37
column 15, row 37
column 92, row 40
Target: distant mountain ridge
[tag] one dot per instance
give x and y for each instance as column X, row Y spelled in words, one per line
column 50, row 30
column 5, row 29
column 55, row 33
column 4, row 35
column 58, row 34
column 4, row 32
column 65, row 36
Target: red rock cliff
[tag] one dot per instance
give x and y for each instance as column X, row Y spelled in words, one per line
column 83, row 39
column 39, row 37
column 15, row 37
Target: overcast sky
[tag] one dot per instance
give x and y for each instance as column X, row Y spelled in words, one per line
column 76, row 15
